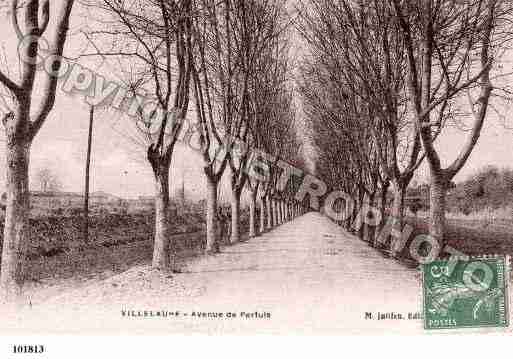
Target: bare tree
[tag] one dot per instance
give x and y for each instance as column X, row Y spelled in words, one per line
column 160, row 67
column 451, row 49
column 47, row 179
column 209, row 77
column 260, row 27
column 230, row 39
column 22, row 125
column 401, row 70
column 360, row 58
column 271, row 129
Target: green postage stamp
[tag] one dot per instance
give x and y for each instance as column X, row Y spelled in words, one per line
column 468, row 293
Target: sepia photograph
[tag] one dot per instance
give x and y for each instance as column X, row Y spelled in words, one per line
column 255, row 167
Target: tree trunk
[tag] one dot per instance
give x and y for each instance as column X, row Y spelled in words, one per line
column 382, row 210
column 212, row 243
column 269, row 213
column 252, row 215
column 235, row 205
column 437, row 192
column 280, row 211
column 275, row 211
column 17, row 211
column 354, row 215
column 162, row 246
column 277, row 204
column 369, row 229
column 361, row 204
column 263, row 210
column 397, row 214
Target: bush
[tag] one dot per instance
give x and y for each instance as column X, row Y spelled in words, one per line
column 488, row 189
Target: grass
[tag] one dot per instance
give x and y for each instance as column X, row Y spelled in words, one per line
column 53, row 235
column 57, row 250
column 487, row 215
column 472, row 236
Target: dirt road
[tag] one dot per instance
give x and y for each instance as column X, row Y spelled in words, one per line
column 306, row 276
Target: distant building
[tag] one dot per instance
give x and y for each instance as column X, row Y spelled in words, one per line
column 72, row 199
column 42, row 201
column 141, row 204
column 53, row 200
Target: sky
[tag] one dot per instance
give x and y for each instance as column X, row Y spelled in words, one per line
column 118, row 167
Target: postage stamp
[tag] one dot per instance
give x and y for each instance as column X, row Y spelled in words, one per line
column 465, row 293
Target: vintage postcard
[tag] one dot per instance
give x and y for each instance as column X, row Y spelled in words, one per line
column 243, row 167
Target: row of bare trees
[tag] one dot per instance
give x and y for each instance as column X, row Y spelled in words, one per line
column 223, row 64
column 228, row 59
column 382, row 80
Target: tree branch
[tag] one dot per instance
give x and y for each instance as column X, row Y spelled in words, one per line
column 50, row 86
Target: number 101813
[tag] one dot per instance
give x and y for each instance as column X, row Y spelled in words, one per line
column 28, row 349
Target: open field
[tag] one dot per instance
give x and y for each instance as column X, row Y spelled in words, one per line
column 58, row 259
column 54, row 235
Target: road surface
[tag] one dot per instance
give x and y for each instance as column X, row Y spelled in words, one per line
column 307, row 276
